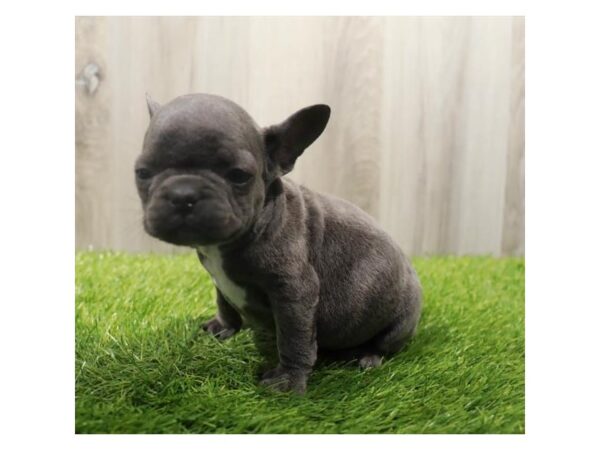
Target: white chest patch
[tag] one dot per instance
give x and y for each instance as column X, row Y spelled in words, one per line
column 213, row 263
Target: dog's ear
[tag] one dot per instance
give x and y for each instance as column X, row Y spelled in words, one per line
column 288, row 140
column 153, row 106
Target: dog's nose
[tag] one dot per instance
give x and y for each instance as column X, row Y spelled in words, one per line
column 183, row 197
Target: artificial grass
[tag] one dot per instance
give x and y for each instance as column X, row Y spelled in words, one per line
column 143, row 367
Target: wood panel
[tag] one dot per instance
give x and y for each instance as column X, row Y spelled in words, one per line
column 426, row 132
column 513, row 232
column 94, row 226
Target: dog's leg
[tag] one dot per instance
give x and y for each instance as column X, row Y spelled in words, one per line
column 226, row 323
column 294, row 306
column 391, row 340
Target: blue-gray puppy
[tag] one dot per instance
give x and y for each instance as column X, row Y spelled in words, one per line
column 312, row 270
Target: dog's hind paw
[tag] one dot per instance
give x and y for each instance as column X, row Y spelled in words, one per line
column 369, row 361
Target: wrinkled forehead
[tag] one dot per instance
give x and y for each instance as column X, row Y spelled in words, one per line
column 183, row 133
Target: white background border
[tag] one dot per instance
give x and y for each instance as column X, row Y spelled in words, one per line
column 37, row 225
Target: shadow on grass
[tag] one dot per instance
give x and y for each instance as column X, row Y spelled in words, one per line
column 178, row 379
column 151, row 361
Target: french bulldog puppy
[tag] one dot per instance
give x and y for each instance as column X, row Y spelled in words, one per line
column 312, row 270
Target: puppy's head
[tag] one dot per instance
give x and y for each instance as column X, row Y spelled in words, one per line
column 206, row 166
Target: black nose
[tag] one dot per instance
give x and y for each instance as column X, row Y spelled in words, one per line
column 183, row 197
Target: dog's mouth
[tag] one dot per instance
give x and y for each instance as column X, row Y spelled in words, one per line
column 204, row 227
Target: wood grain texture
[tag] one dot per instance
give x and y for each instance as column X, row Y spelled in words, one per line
column 426, row 133
column 94, row 226
column 513, row 236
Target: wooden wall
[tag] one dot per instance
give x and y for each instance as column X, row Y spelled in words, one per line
column 426, row 132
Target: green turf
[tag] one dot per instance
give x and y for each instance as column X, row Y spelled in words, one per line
column 142, row 366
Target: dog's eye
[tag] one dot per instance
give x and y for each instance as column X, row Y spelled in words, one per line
column 238, row 176
column 143, row 174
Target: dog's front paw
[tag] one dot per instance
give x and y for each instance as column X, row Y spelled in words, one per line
column 218, row 330
column 285, row 380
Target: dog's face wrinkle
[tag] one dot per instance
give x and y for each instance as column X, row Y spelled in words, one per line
column 206, row 168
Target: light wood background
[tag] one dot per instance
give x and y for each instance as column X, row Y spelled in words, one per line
column 426, row 132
